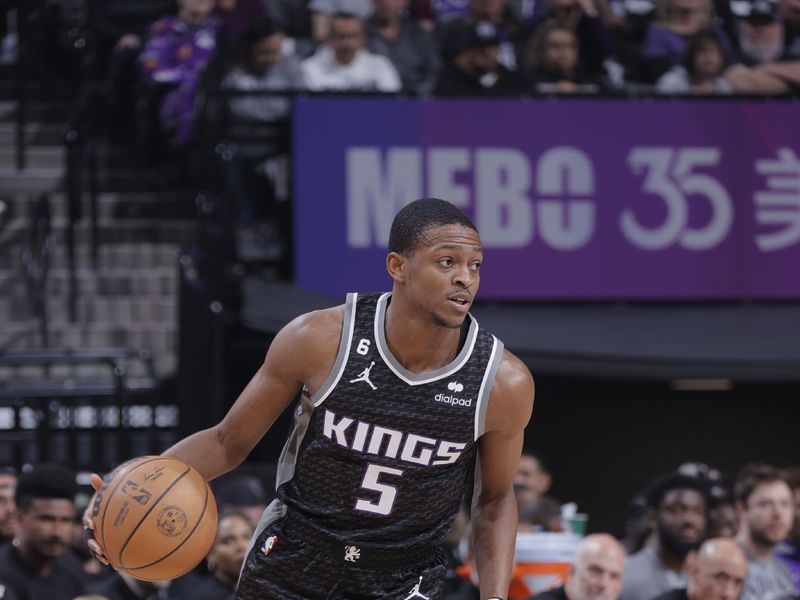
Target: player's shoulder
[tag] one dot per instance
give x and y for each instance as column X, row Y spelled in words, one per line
column 317, row 326
column 513, row 389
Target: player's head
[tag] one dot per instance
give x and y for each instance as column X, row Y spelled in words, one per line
column 45, row 500
column 411, row 225
column 596, row 573
column 434, row 258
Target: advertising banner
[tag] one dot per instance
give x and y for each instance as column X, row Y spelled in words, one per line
column 577, row 199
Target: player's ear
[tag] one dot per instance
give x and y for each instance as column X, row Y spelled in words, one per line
column 396, row 266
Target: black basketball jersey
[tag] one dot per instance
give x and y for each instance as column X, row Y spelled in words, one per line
column 380, row 455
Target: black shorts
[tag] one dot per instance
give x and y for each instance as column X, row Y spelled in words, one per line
column 291, row 562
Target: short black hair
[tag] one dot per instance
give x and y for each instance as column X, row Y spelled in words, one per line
column 413, row 220
column 753, row 475
column 259, row 29
column 674, row 481
column 45, row 481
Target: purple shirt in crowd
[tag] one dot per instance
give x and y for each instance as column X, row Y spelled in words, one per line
column 789, row 553
column 175, row 55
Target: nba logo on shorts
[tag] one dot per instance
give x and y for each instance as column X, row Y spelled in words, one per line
column 269, row 544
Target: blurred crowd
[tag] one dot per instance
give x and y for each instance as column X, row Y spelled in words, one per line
column 153, row 67
column 690, row 534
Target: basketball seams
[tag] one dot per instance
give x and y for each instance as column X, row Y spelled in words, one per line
column 149, row 510
column 185, row 539
column 110, row 494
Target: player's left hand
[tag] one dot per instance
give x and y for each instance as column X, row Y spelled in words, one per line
column 88, row 525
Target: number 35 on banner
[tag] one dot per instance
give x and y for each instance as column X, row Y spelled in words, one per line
column 670, row 175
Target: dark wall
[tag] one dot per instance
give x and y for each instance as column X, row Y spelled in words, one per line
column 603, row 440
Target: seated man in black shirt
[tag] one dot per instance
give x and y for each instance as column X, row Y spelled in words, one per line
column 596, row 573
column 716, row 572
column 35, row 564
column 472, row 62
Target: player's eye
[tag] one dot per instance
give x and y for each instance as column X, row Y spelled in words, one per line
column 447, row 261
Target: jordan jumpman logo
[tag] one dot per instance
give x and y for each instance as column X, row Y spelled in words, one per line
column 364, row 376
column 415, row 593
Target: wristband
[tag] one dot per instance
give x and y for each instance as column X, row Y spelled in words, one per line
column 494, row 598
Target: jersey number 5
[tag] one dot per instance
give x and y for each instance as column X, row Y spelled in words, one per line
column 387, row 493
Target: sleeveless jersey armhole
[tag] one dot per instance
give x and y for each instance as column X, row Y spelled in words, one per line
column 344, row 351
column 486, row 387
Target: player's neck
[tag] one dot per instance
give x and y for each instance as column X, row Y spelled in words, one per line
column 417, row 344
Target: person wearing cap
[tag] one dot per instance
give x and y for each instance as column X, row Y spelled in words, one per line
column 677, row 507
column 761, row 34
column 471, row 52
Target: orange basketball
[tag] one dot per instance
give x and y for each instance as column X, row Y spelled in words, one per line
column 155, row 518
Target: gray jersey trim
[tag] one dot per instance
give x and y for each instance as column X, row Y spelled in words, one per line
column 291, row 450
column 276, row 510
column 486, row 387
column 348, row 325
column 403, row 373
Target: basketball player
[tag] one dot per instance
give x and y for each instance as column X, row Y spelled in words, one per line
column 401, row 395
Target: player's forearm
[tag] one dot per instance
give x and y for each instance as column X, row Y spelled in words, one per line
column 494, row 531
column 207, row 452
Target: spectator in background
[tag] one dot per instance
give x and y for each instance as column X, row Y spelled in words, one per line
column 173, row 61
column 257, row 170
column 789, row 550
column 36, row 565
column 596, row 573
column 472, row 62
column 244, row 494
column 790, row 12
column 344, row 64
column 678, row 506
column 236, row 17
column 665, row 42
column 595, row 44
column 265, row 68
column 511, row 33
column 118, row 31
column 765, row 504
column 722, row 518
column 224, row 560
column 701, row 70
column 411, row 48
column 716, row 572
column 540, row 514
column 768, row 78
column 552, row 62
column 533, row 478
column 761, row 34
column 638, row 525
column 324, row 11
column 8, row 508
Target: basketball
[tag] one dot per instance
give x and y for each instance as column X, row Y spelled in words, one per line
column 155, row 518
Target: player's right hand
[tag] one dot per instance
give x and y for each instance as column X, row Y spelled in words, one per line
column 88, row 525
